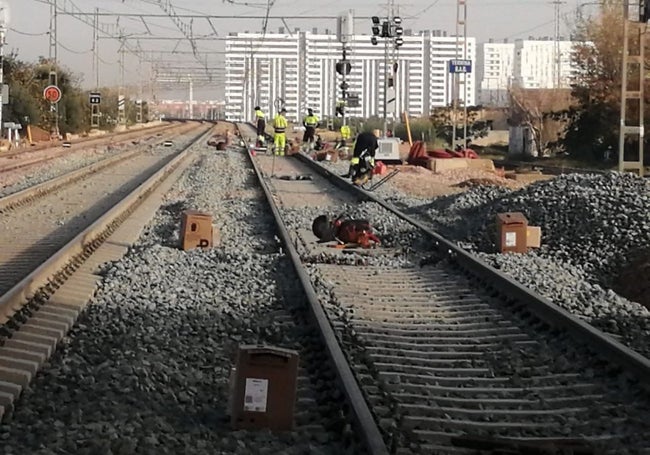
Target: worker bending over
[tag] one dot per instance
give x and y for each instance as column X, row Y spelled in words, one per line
column 363, row 158
column 280, row 137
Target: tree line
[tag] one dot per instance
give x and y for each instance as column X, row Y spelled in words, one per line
column 27, row 106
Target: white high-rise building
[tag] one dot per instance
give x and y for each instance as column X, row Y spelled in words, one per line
column 535, row 64
column 300, row 70
column 495, row 70
column 442, row 49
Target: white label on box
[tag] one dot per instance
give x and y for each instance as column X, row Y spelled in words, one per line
column 511, row 239
column 256, row 394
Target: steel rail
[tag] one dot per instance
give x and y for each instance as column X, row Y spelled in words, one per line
column 117, row 136
column 41, row 189
column 555, row 170
column 362, row 414
column 546, row 310
column 14, row 299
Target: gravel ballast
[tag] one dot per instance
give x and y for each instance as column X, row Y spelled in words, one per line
column 381, row 325
column 146, row 369
column 592, row 224
column 17, row 180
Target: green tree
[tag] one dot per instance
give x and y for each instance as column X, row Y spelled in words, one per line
column 23, row 106
column 594, row 118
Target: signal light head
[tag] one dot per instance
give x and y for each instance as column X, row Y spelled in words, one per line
column 375, row 30
column 397, row 20
column 373, row 40
column 399, row 41
column 385, row 30
column 399, row 31
column 375, row 20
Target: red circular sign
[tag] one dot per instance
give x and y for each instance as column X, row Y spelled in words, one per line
column 52, row 93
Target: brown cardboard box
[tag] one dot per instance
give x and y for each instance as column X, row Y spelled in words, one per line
column 196, row 230
column 332, row 155
column 533, row 236
column 265, row 388
column 512, row 230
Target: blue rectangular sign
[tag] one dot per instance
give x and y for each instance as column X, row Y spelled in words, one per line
column 460, row 66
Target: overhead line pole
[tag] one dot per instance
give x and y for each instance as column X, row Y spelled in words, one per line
column 633, row 63
column 558, row 56
column 52, row 77
column 464, row 8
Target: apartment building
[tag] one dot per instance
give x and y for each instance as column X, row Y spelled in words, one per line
column 535, row 63
column 300, row 70
column 495, row 71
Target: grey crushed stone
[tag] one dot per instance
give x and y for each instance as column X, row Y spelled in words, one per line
column 146, row 368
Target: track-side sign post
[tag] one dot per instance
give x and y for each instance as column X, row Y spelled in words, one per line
column 460, row 66
column 457, row 67
column 52, row 93
column 95, row 99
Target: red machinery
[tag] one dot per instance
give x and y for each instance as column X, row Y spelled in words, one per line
column 345, row 232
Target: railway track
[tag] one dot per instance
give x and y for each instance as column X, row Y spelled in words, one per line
column 552, row 170
column 269, row 307
column 439, row 353
column 26, row 158
column 54, row 240
column 435, row 354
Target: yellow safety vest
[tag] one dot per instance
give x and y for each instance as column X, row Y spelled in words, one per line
column 345, row 132
column 259, row 114
column 311, row 120
column 280, row 123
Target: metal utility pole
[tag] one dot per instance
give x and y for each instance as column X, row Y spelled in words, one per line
column 139, row 112
column 461, row 30
column 386, row 70
column 53, row 37
column 557, row 82
column 191, row 108
column 96, row 61
column 95, row 114
column 121, row 99
column 389, row 28
column 344, row 31
column 53, row 79
column 633, row 64
column 3, row 31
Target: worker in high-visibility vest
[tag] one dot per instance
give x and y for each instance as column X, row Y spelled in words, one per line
column 280, row 137
column 260, row 124
column 346, row 132
column 310, row 123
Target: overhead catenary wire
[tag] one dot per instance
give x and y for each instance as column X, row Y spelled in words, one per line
column 20, row 32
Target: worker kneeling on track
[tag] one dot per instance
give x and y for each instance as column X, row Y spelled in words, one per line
column 362, row 162
column 345, row 232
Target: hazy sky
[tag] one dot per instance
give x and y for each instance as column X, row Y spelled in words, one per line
column 29, row 24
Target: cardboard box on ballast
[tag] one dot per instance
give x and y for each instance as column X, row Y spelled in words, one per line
column 196, row 230
column 512, row 232
column 264, row 392
column 533, row 236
